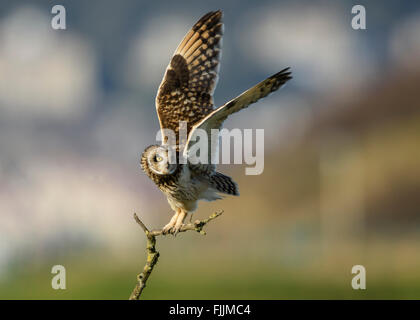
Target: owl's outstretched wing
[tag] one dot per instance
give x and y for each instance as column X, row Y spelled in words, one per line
column 185, row 93
column 215, row 119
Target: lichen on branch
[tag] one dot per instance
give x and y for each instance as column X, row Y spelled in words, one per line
column 152, row 256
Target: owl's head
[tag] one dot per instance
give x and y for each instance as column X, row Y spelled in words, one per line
column 156, row 159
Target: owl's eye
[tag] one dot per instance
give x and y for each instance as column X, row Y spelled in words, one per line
column 159, row 158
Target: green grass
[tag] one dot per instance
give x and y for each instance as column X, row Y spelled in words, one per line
column 195, row 278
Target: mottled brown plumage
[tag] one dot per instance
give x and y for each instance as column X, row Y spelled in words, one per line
column 185, row 93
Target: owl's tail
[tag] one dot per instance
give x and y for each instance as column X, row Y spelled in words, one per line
column 224, row 184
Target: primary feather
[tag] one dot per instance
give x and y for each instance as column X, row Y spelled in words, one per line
column 214, row 120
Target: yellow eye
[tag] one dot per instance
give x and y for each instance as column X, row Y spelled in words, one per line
column 158, row 159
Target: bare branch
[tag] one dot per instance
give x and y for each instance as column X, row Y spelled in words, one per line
column 153, row 255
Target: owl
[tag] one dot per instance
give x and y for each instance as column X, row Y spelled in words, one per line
column 185, row 95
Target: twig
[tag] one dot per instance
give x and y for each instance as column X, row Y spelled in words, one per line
column 153, row 255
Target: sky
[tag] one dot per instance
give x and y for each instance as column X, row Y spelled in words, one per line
column 77, row 105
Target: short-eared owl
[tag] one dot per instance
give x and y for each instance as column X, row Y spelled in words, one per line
column 185, row 94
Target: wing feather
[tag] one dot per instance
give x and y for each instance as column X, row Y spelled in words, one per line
column 215, row 119
column 185, row 93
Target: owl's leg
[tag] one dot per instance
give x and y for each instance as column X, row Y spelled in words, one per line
column 179, row 222
column 166, row 229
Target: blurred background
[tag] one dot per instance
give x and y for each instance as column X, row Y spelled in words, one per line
column 341, row 184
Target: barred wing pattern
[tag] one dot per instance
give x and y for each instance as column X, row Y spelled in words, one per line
column 215, row 119
column 185, row 93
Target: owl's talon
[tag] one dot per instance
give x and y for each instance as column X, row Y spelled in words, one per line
column 175, row 229
column 175, row 224
column 168, row 228
column 179, row 222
